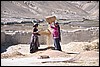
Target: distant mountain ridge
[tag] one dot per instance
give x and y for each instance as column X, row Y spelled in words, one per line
column 40, row 9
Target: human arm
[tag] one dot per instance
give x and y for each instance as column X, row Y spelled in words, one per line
column 35, row 31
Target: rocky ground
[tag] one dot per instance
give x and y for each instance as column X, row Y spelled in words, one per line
column 72, row 54
column 18, row 55
column 78, row 50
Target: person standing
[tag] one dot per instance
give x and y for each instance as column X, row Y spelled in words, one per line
column 58, row 31
column 34, row 44
column 56, row 36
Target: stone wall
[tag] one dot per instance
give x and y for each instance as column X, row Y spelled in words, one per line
column 81, row 35
column 2, row 37
column 19, row 37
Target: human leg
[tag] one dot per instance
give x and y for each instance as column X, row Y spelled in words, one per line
column 57, row 44
column 33, row 46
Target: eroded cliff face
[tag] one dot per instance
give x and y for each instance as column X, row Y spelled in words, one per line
column 40, row 9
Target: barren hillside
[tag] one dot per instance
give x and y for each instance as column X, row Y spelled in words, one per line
column 40, row 9
column 79, row 27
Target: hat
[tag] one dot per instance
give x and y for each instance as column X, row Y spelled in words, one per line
column 56, row 22
column 35, row 24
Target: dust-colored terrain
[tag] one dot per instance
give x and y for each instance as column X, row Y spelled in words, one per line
column 40, row 9
column 18, row 55
column 72, row 54
column 79, row 22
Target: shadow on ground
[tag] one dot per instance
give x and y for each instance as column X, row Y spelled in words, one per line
column 5, row 46
column 42, row 49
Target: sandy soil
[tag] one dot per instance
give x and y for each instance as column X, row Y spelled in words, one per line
column 18, row 55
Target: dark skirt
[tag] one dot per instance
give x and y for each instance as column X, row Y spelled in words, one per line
column 34, row 44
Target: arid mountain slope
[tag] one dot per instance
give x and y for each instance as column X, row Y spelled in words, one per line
column 40, row 9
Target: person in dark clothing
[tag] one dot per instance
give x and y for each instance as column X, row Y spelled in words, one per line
column 34, row 44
